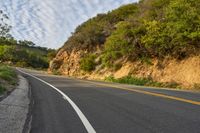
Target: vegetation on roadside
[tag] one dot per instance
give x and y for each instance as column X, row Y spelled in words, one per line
column 7, row 77
column 141, row 81
column 8, row 74
column 2, row 89
column 56, row 72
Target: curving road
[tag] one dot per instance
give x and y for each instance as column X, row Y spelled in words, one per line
column 66, row 105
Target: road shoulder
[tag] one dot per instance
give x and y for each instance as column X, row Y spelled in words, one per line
column 14, row 108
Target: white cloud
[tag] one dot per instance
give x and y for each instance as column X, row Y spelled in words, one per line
column 50, row 22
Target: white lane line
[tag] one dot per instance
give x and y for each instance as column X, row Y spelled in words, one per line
column 84, row 120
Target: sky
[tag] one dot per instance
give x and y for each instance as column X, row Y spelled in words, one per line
column 49, row 23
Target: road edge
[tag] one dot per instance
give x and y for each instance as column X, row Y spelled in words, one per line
column 15, row 107
column 28, row 121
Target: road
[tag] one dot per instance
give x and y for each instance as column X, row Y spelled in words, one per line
column 66, row 105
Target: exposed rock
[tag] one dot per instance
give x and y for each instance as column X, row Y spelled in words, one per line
column 185, row 72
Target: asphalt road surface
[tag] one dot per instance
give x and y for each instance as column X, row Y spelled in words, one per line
column 65, row 105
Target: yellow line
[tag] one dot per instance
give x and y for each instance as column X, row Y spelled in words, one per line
column 147, row 93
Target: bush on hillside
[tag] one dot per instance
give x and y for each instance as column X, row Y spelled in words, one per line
column 88, row 63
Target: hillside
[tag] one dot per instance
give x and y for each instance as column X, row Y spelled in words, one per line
column 157, row 40
column 24, row 54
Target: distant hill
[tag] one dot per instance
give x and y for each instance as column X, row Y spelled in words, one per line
column 142, row 33
column 24, row 53
column 21, row 53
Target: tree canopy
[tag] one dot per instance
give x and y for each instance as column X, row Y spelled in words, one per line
column 4, row 26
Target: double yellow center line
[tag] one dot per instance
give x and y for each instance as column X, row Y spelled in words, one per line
column 146, row 92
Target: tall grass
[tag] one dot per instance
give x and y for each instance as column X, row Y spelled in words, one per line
column 2, row 89
column 140, row 81
column 7, row 76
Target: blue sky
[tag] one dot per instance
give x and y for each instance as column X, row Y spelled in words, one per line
column 49, row 23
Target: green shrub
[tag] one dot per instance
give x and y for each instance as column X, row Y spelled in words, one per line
column 118, row 44
column 88, row 63
column 117, row 66
column 129, row 80
column 8, row 74
column 146, row 60
column 56, row 72
column 109, row 57
column 141, row 81
column 2, row 89
column 21, row 64
column 110, row 79
column 134, row 80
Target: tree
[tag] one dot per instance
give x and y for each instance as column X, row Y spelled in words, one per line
column 51, row 54
column 26, row 43
column 4, row 26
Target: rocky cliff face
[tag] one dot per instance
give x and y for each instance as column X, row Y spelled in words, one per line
column 66, row 63
column 185, row 72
